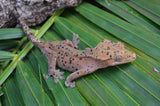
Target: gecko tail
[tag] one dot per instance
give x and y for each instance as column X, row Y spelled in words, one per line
column 26, row 29
column 29, row 34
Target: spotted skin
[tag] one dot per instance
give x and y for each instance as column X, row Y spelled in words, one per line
column 80, row 63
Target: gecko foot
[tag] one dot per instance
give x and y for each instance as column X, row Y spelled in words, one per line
column 75, row 40
column 70, row 84
column 56, row 74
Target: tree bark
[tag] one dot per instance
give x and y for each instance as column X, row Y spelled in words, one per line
column 32, row 11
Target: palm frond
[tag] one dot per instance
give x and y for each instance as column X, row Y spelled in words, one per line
column 133, row 22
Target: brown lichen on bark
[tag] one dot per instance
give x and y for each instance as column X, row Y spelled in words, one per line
column 32, row 11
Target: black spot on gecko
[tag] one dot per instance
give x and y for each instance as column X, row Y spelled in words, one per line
column 91, row 53
column 77, row 72
column 108, row 48
column 110, row 55
column 76, row 69
column 80, row 58
column 107, row 53
column 70, row 61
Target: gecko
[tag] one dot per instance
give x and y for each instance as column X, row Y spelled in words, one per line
column 65, row 55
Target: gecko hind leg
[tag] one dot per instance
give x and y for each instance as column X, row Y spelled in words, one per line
column 77, row 74
column 51, row 57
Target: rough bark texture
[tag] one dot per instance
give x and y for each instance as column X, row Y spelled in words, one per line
column 33, row 11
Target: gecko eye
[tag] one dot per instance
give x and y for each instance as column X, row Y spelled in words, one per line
column 118, row 58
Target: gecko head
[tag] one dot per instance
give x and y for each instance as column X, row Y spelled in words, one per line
column 120, row 56
column 112, row 53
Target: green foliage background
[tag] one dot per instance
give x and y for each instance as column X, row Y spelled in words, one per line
column 136, row 23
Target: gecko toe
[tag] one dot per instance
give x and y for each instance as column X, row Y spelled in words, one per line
column 62, row 78
column 56, row 74
column 55, row 80
column 70, row 84
column 75, row 40
column 47, row 76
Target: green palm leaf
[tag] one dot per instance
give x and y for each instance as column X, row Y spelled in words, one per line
column 134, row 22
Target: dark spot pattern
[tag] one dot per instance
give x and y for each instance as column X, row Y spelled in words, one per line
column 70, row 61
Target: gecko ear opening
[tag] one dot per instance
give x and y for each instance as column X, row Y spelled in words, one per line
column 118, row 58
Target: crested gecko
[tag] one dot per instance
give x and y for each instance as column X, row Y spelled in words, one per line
column 80, row 63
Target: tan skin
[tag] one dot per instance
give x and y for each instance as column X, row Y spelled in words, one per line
column 80, row 63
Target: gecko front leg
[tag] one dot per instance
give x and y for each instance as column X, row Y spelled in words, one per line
column 69, row 81
column 75, row 40
column 51, row 57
